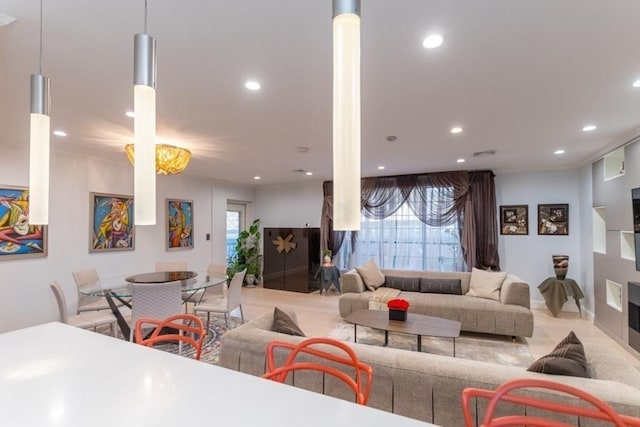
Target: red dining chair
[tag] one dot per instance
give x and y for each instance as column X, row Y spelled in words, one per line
column 597, row 409
column 360, row 383
column 180, row 328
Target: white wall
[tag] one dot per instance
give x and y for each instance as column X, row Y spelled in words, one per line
column 529, row 257
column 291, row 205
column 25, row 297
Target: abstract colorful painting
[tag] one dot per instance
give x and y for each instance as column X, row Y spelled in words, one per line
column 18, row 238
column 111, row 223
column 179, row 224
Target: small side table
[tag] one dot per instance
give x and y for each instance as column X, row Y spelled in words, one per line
column 556, row 293
column 328, row 275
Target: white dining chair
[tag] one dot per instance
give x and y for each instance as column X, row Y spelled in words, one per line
column 220, row 290
column 224, row 305
column 87, row 278
column 187, row 297
column 154, row 300
column 85, row 319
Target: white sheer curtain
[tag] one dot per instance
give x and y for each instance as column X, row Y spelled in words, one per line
column 402, row 241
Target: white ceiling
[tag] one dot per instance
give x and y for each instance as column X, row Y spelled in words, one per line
column 520, row 76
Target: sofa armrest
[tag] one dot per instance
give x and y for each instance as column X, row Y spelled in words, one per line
column 515, row 291
column 352, row 283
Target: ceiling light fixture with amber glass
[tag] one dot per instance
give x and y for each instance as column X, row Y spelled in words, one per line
column 170, row 160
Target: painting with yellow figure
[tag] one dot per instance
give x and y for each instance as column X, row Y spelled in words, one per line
column 18, row 238
column 111, row 223
column 179, row 224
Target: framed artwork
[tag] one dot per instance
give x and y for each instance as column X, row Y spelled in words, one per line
column 111, row 223
column 553, row 220
column 514, row 220
column 179, row 224
column 18, row 238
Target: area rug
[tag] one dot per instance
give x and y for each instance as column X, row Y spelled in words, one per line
column 484, row 347
column 210, row 348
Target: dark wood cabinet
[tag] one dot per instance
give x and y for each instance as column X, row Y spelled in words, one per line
column 291, row 258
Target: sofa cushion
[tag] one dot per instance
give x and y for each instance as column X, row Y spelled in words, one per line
column 371, row 275
column 403, row 283
column 567, row 358
column 441, row 286
column 284, row 324
column 486, row 284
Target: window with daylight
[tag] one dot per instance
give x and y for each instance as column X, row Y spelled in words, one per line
column 235, row 224
column 401, row 241
column 441, row 221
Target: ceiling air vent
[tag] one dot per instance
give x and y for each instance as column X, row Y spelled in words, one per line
column 484, row 153
column 298, row 170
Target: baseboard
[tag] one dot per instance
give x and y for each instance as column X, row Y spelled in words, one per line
column 568, row 308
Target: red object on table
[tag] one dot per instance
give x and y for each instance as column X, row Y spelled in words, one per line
column 398, row 304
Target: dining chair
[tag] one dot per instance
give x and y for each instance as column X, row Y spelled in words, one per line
column 587, row 405
column 221, row 304
column 154, row 300
column 85, row 279
column 220, row 290
column 360, row 382
column 187, row 297
column 85, row 319
column 183, row 329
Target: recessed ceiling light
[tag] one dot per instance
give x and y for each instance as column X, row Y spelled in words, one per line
column 558, row 152
column 589, row 128
column 456, row 129
column 636, row 83
column 380, row 167
column 130, row 114
column 460, row 161
column 256, row 178
column 308, row 173
column 252, row 85
column 59, row 133
column 432, row 41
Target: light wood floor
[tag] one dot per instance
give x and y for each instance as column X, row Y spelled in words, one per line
column 318, row 315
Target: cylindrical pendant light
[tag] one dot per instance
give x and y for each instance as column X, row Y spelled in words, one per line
column 346, row 114
column 144, row 128
column 39, row 151
column 39, row 133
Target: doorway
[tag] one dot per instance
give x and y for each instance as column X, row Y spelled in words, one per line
column 236, row 222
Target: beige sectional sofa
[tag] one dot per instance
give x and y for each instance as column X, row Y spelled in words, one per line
column 427, row 386
column 511, row 315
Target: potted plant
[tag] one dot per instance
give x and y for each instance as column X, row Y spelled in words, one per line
column 248, row 254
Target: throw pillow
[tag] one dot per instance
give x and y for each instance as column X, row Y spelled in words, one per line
column 567, row 358
column 486, row 284
column 441, row 286
column 371, row 275
column 407, row 284
column 284, row 324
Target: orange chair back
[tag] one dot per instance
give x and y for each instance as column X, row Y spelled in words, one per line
column 181, row 328
column 598, row 409
column 360, row 383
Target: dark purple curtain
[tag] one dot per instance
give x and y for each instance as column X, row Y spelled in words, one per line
column 437, row 199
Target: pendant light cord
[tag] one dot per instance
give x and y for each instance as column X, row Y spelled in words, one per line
column 145, row 16
column 40, row 58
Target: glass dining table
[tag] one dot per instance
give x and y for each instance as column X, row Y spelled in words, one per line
column 117, row 288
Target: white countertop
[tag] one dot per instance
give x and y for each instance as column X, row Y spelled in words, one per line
column 59, row 375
